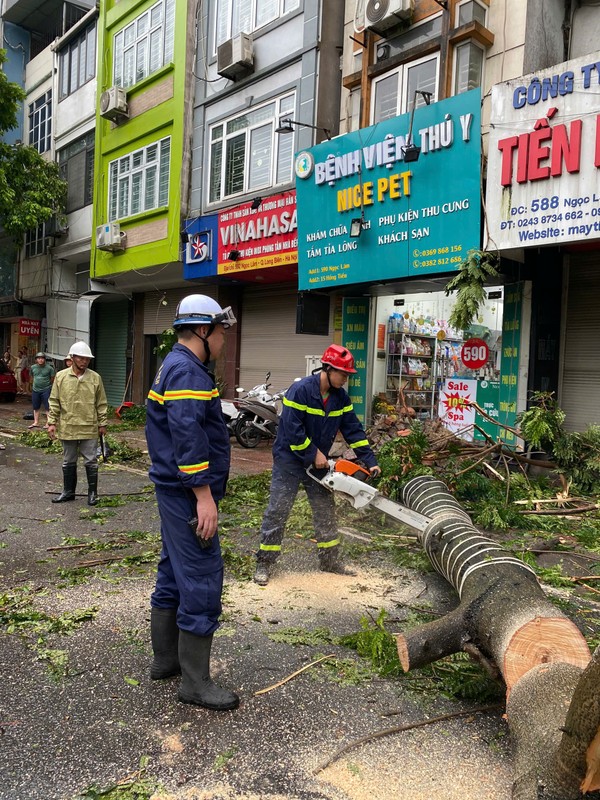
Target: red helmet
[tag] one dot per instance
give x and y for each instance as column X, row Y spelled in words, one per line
column 339, row 358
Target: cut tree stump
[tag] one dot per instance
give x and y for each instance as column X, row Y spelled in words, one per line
column 552, row 682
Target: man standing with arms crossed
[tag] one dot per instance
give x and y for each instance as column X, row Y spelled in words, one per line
column 78, row 414
column 189, row 447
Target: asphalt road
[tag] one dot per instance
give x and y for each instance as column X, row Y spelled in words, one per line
column 79, row 711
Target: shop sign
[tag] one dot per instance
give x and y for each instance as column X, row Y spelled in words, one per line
column 488, row 397
column 414, row 217
column 455, row 407
column 199, row 247
column 258, row 238
column 544, row 155
column 474, row 353
column 355, row 336
column 509, row 363
column 30, row 328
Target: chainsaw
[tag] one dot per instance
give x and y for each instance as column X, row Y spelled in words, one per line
column 349, row 479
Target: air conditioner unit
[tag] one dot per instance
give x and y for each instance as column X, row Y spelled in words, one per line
column 56, row 227
column 113, row 103
column 381, row 15
column 235, row 57
column 110, row 237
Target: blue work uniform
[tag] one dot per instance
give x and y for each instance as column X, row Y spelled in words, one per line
column 188, row 444
column 308, row 424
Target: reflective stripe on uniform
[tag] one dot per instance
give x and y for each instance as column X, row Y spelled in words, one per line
column 152, row 395
column 302, row 446
column 191, row 469
column 332, row 543
column 318, row 412
column 271, row 547
column 362, row 443
column 190, row 394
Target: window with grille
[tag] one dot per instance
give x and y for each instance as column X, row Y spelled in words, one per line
column 246, row 153
column 77, row 62
column 246, row 16
column 40, row 122
column 145, row 45
column 139, row 181
column 468, row 67
column 394, row 92
column 36, row 241
column 76, row 165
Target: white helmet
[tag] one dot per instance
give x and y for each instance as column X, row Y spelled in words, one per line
column 81, row 349
column 198, row 309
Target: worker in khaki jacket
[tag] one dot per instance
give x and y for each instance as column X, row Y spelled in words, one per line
column 78, row 414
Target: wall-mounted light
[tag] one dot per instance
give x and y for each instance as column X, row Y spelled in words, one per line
column 185, row 237
column 256, row 203
column 411, row 152
column 285, row 126
column 356, row 227
column 234, row 255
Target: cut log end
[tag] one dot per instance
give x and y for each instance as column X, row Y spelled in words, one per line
column 543, row 640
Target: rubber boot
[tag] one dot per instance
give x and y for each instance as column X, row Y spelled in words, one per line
column 196, row 685
column 69, row 484
column 330, row 561
column 91, row 470
column 164, row 634
column 261, row 574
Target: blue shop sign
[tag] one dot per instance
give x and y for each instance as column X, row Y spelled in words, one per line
column 415, row 217
column 200, row 249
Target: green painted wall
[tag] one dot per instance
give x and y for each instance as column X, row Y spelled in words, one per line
column 163, row 119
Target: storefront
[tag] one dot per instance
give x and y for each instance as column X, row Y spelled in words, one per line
column 543, row 204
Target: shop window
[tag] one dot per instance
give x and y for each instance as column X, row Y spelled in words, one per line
column 470, row 11
column 76, row 165
column 77, row 62
column 246, row 16
column 393, row 93
column 247, row 154
column 145, row 45
column 468, row 67
column 40, row 122
column 139, row 181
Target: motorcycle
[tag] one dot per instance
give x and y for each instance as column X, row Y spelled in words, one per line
column 230, row 408
column 259, row 417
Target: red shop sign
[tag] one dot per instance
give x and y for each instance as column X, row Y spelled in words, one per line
column 474, row 353
column 30, row 327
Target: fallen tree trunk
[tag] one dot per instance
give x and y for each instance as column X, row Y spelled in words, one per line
column 553, row 706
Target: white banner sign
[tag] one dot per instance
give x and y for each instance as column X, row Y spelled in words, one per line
column 455, row 409
column 543, row 180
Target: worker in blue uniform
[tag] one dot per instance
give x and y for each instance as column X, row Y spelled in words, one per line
column 188, row 444
column 314, row 410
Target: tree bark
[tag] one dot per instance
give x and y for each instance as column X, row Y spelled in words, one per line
column 553, row 706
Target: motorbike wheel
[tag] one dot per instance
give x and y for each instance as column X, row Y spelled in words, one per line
column 246, row 434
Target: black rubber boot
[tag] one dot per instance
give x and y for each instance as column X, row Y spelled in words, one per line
column 69, row 484
column 261, row 574
column 164, row 634
column 330, row 561
column 91, row 470
column 196, row 686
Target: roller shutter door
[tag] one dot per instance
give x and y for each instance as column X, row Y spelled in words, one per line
column 269, row 341
column 112, row 325
column 580, row 386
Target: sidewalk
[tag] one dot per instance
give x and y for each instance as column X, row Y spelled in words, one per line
column 243, row 461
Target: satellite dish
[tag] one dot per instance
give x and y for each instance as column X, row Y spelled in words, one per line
column 359, row 16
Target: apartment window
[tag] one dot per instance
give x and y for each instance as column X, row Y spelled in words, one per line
column 77, row 62
column 40, row 122
column 470, row 11
column 393, row 93
column 468, row 67
column 36, row 241
column 139, row 181
column 245, row 16
column 246, row 153
column 145, row 45
column 76, row 165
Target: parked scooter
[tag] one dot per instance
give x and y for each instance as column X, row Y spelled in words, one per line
column 259, row 418
column 230, row 408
